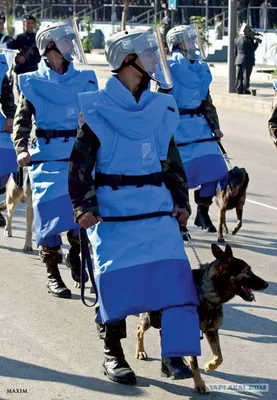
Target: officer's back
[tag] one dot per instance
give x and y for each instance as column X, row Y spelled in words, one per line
column 245, row 48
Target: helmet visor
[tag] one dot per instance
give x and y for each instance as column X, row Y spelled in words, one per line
column 67, row 40
column 190, row 43
column 150, row 51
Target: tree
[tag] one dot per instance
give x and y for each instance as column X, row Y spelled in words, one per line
column 86, row 41
column 124, row 14
column 7, row 6
column 203, row 31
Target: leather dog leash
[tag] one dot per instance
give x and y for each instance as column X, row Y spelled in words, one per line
column 86, row 260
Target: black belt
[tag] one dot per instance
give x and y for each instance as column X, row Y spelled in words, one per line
column 54, row 134
column 114, row 181
column 191, row 112
column 43, row 161
column 212, row 139
column 138, row 217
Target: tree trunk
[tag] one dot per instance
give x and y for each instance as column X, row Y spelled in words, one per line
column 6, row 5
column 124, row 15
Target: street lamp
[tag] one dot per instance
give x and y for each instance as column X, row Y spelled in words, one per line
column 232, row 33
column 112, row 15
column 172, row 5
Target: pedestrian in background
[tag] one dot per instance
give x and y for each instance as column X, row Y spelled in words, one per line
column 245, row 46
column 272, row 123
column 28, row 57
column 219, row 27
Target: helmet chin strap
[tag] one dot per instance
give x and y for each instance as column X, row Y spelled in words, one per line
column 53, row 47
column 137, row 67
column 180, row 49
column 185, row 53
column 143, row 85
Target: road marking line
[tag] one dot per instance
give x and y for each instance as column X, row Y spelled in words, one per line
column 261, row 204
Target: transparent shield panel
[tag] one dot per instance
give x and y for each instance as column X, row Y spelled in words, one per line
column 67, row 40
column 189, row 42
column 150, row 51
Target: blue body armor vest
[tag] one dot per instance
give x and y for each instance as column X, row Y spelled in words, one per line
column 136, row 268
column 8, row 163
column 54, row 98
column 203, row 162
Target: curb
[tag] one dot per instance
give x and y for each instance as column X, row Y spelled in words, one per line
column 245, row 103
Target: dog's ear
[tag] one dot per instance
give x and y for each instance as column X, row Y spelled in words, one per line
column 235, row 170
column 228, row 252
column 216, row 250
column 245, row 175
column 225, row 259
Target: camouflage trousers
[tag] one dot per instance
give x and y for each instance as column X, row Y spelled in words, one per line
column 202, row 201
column 112, row 331
column 52, row 255
column 118, row 329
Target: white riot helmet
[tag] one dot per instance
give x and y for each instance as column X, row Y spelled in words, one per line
column 186, row 38
column 146, row 45
column 66, row 40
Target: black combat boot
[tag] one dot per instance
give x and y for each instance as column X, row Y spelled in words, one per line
column 176, row 368
column 55, row 283
column 115, row 366
column 73, row 262
column 202, row 219
column 2, row 220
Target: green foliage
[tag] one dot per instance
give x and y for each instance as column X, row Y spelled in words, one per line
column 86, row 41
column 87, row 44
column 10, row 26
column 274, row 74
column 203, row 31
column 37, row 21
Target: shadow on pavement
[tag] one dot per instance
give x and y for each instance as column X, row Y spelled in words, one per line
column 14, row 250
column 246, row 322
column 20, row 370
column 182, row 390
column 243, row 240
column 244, row 379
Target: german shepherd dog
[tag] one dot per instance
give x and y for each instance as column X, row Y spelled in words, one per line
column 18, row 189
column 216, row 283
column 233, row 196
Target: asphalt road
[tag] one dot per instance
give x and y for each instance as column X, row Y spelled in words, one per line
column 49, row 349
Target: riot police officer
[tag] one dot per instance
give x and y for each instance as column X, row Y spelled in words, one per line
column 8, row 163
column 245, row 46
column 199, row 125
column 50, row 96
column 140, row 262
column 272, row 123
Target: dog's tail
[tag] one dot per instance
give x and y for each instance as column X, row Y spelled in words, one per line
column 3, row 205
